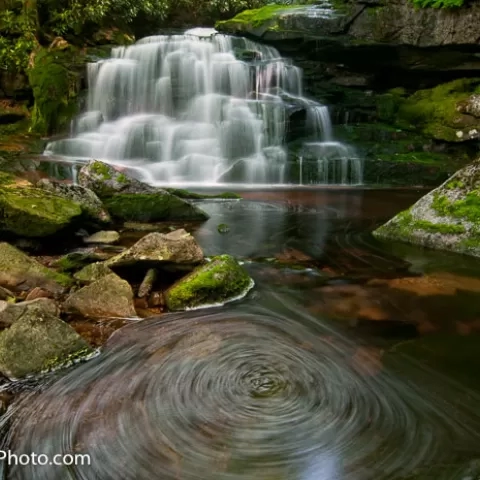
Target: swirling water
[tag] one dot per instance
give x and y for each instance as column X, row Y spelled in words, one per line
column 261, row 389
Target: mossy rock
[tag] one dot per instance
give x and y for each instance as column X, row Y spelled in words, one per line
column 436, row 112
column 39, row 342
column 447, row 218
column 75, row 261
column 19, row 268
column 55, row 81
column 33, row 212
column 219, row 281
column 181, row 193
column 264, row 18
column 152, row 207
column 92, row 272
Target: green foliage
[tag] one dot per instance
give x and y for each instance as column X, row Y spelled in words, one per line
column 467, row 208
column 438, row 3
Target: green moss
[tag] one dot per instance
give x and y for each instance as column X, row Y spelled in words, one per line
column 14, row 261
column 104, row 171
column 66, row 361
column 429, row 158
column 122, row 178
column 435, row 110
column 444, row 228
column 468, row 208
column 75, row 261
column 454, row 184
column 220, row 280
column 256, row 18
column 33, row 212
column 151, row 207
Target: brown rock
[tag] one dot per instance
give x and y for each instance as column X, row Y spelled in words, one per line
column 109, row 296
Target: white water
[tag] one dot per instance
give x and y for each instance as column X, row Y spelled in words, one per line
column 202, row 109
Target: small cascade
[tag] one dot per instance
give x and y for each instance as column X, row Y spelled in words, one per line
column 203, row 109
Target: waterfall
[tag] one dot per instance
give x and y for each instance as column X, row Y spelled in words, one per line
column 203, row 109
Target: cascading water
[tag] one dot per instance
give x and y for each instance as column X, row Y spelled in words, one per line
column 204, row 108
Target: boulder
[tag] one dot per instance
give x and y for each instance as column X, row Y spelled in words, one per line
column 447, row 218
column 217, row 282
column 92, row 272
column 105, row 180
column 106, row 237
column 34, row 212
column 177, row 247
column 11, row 312
column 38, row 342
column 88, row 201
column 21, row 271
column 128, row 199
column 109, row 296
column 76, row 260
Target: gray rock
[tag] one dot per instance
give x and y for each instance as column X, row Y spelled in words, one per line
column 147, row 283
column 23, row 272
column 92, row 272
column 105, row 180
column 12, row 312
column 177, row 247
column 109, row 296
column 447, row 218
column 35, row 343
column 471, row 106
column 90, row 204
column 105, row 236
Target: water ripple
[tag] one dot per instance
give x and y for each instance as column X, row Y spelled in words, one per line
column 230, row 395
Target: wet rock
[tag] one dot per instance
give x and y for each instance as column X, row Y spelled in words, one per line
column 92, row 272
column 471, row 106
column 128, row 199
column 38, row 342
column 108, row 237
column 105, row 180
column 21, row 271
column 147, row 284
column 219, row 281
column 76, row 260
column 12, row 312
column 156, row 299
column 109, row 296
column 37, row 292
column 177, row 247
column 33, row 212
column 90, row 204
column 447, row 218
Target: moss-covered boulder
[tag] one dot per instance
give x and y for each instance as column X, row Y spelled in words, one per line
column 156, row 249
column 109, row 296
column 219, row 281
column 128, row 199
column 18, row 269
column 54, row 77
column 39, row 342
column 33, row 212
column 441, row 112
column 92, row 273
column 91, row 205
column 12, row 312
column 447, row 218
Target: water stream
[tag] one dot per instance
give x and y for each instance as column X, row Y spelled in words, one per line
column 205, row 108
column 301, row 380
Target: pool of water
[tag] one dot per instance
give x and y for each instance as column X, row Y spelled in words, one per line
column 351, row 359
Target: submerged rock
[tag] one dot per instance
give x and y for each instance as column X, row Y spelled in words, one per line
column 90, row 204
column 109, row 236
column 447, row 218
column 12, row 312
column 38, row 342
column 109, row 296
column 128, row 199
column 220, row 281
column 177, row 247
column 33, row 212
column 20, row 270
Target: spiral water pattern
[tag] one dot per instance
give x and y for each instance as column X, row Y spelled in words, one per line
column 231, row 395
